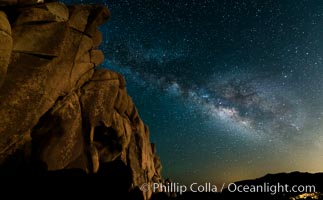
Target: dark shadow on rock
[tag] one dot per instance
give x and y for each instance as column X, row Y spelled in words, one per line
column 115, row 175
column 136, row 194
column 160, row 196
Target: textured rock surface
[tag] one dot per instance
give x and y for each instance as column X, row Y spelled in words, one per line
column 56, row 107
column 6, row 45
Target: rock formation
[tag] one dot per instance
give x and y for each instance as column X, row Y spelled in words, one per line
column 56, row 107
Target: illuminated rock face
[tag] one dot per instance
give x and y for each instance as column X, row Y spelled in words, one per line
column 56, row 107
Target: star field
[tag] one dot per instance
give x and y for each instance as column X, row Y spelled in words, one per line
column 230, row 89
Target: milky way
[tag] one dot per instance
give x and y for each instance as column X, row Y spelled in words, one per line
column 230, row 89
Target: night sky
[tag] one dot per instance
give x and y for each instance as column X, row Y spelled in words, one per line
column 230, row 89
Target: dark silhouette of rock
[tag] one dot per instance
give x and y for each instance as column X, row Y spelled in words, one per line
column 60, row 114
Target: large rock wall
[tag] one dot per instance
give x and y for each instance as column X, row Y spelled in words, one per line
column 56, row 107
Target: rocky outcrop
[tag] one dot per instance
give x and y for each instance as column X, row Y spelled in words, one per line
column 56, row 107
